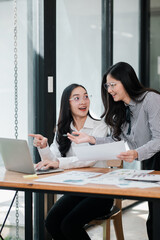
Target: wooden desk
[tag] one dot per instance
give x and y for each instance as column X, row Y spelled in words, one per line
column 15, row 181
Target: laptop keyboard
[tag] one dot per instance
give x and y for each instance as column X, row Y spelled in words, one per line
column 43, row 170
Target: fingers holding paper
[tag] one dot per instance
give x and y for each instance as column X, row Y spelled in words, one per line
column 128, row 156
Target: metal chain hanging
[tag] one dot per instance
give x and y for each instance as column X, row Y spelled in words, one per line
column 16, row 104
column 15, row 70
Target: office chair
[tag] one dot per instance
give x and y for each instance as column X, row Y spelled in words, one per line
column 115, row 214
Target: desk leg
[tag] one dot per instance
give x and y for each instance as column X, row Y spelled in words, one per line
column 28, row 216
column 156, row 219
column 39, row 216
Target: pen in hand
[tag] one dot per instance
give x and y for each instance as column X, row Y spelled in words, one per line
column 75, row 135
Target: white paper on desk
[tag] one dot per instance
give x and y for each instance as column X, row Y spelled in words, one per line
column 100, row 152
column 144, row 177
column 72, row 177
column 117, row 178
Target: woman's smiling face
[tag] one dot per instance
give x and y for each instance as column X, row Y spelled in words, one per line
column 79, row 102
column 116, row 90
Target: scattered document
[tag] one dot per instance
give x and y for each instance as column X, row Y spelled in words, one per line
column 144, row 177
column 100, row 152
column 73, row 177
column 118, row 178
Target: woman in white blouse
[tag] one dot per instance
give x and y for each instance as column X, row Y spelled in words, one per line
column 67, row 217
column 74, row 116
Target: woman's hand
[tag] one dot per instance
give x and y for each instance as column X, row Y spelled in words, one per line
column 79, row 137
column 128, row 156
column 46, row 164
column 39, row 140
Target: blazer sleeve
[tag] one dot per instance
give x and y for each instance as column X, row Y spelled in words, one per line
column 152, row 110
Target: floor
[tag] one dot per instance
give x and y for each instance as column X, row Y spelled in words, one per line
column 134, row 224
column 134, row 220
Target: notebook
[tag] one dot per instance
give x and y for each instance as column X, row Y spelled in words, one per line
column 16, row 157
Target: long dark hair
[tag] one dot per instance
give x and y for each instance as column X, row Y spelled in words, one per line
column 115, row 112
column 65, row 119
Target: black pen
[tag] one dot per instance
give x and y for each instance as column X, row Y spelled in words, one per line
column 75, row 135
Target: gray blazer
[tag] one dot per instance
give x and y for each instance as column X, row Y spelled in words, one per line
column 145, row 127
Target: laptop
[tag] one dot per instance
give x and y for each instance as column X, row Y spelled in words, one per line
column 16, row 157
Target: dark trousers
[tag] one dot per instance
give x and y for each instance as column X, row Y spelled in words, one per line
column 150, row 221
column 151, row 164
column 67, row 217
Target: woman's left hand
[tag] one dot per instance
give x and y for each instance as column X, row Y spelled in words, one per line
column 128, row 156
column 81, row 137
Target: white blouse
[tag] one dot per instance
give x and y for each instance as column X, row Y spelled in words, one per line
column 92, row 128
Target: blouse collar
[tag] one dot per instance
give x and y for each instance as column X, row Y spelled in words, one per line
column 89, row 123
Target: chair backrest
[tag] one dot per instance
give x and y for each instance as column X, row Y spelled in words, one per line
column 115, row 213
column 115, row 163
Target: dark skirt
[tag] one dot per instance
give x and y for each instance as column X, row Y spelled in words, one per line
column 152, row 163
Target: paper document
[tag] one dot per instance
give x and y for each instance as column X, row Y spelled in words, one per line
column 144, row 177
column 100, row 152
column 73, row 177
column 118, row 178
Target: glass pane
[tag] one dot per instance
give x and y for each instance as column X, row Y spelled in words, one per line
column 154, row 44
column 79, row 48
column 7, row 69
column 7, row 96
column 126, row 32
column 27, row 46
